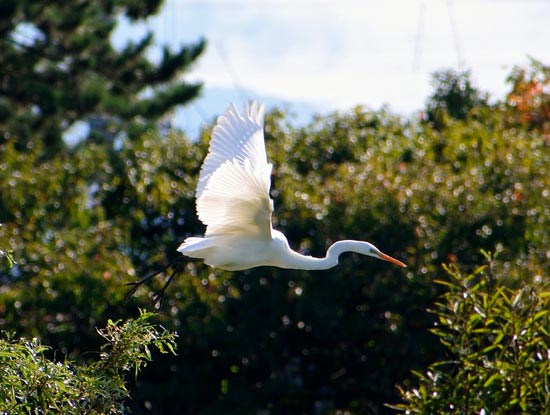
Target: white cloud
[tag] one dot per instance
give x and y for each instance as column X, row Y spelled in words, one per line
column 342, row 53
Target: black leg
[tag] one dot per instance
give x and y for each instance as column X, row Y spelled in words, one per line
column 177, row 265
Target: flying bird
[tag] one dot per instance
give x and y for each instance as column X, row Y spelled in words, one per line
column 232, row 200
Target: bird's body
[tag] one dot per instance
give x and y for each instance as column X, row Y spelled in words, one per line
column 235, row 253
column 233, row 202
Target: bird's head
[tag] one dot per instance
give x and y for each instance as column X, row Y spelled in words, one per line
column 375, row 252
column 361, row 247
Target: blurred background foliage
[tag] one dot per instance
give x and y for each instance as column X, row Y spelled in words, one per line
column 84, row 223
column 83, row 220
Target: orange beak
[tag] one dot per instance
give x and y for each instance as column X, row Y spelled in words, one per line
column 390, row 259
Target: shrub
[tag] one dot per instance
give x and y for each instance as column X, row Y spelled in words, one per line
column 497, row 338
column 30, row 383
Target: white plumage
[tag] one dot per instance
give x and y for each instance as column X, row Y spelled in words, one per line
column 232, row 200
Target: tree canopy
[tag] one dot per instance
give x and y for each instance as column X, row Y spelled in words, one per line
column 59, row 67
column 454, row 96
column 278, row 341
column 83, row 222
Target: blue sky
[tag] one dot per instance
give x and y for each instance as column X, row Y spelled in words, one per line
column 320, row 56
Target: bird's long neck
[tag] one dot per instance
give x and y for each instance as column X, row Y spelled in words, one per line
column 298, row 261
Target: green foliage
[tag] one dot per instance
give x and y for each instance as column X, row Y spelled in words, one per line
column 92, row 218
column 128, row 343
column 454, row 96
column 498, row 342
column 87, row 227
column 8, row 255
column 59, row 67
column 30, row 383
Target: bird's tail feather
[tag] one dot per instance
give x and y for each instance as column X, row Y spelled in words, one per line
column 195, row 247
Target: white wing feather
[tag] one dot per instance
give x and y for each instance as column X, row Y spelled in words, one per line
column 237, row 137
column 233, row 190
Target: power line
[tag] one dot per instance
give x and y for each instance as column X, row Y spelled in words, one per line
column 230, row 70
column 419, row 36
column 456, row 36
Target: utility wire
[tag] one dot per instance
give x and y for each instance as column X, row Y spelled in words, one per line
column 419, row 37
column 230, row 70
column 456, row 36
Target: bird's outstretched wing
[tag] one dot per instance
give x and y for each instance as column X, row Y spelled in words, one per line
column 233, row 189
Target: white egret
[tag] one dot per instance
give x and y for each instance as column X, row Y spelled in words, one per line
column 232, row 200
